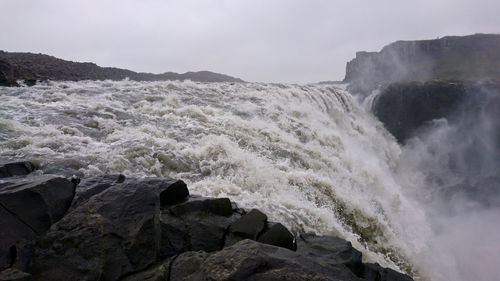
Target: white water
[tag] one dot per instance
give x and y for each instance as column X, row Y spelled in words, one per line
column 308, row 156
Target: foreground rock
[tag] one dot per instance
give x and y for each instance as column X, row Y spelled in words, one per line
column 117, row 228
column 16, row 169
column 28, row 207
column 249, row 260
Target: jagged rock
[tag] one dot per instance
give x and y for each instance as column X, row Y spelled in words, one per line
column 94, row 185
column 158, row 272
column 174, row 191
column 13, row 274
column 28, row 207
column 197, row 224
column 374, row 272
column 278, row 235
column 16, row 169
column 405, row 107
column 14, row 231
column 196, row 204
column 186, row 264
column 249, row 225
column 251, row 260
column 113, row 233
column 37, row 201
column 330, row 250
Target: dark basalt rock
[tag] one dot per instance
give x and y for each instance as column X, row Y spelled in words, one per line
column 37, row 201
column 32, row 67
column 184, row 266
column 251, row 260
column 374, row 272
column 174, row 191
column 158, row 272
column 14, row 274
column 249, row 225
column 197, row 204
column 28, row 207
column 89, row 187
column 16, row 169
column 278, row 235
column 114, row 233
column 329, row 249
column 197, row 224
column 149, row 229
column 30, row 82
column 14, row 233
column 405, row 107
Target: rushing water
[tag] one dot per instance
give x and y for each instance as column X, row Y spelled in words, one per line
column 308, row 156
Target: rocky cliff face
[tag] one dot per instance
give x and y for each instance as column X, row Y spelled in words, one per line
column 406, row 107
column 28, row 66
column 464, row 58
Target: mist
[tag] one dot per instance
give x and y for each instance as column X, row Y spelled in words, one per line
column 456, row 179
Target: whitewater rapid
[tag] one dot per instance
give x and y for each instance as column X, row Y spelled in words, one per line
column 307, row 155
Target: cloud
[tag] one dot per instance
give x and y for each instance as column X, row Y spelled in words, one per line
column 281, row 41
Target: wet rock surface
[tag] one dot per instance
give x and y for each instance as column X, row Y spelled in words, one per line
column 113, row 227
column 406, row 107
column 16, row 169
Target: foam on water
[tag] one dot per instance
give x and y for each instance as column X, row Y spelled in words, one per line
column 308, row 156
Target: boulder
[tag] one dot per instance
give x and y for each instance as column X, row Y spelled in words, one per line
column 374, row 272
column 37, row 201
column 405, row 107
column 186, row 265
column 197, row 224
column 251, row 260
column 173, row 192
column 330, row 250
column 158, row 272
column 115, row 232
column 249, row 225
column 197, row 204
column 13, row 274
column 278, row 235
column 89, row 187
column 14, row 233
column 28, row 207
column 16, row 169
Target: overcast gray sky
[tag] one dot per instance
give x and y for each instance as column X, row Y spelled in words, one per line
column 256, row 40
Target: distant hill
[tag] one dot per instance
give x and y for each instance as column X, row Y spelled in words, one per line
column 473, row 57
column 29, row 66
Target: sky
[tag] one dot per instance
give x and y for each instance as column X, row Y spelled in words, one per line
column 293, row 41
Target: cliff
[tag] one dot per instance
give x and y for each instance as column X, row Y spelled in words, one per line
column 473, row 57
column 28, row 66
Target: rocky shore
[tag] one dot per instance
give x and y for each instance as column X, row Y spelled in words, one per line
column 113, row 227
